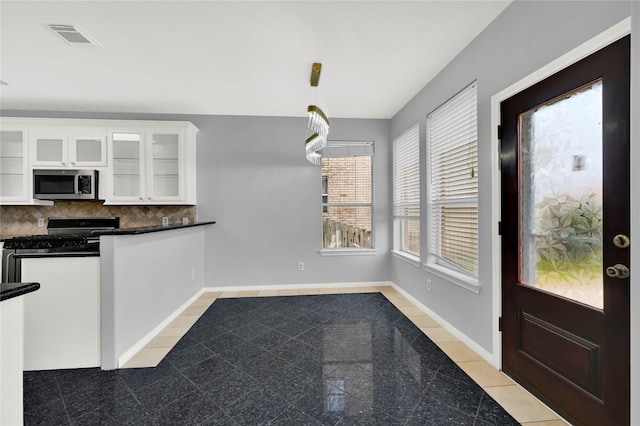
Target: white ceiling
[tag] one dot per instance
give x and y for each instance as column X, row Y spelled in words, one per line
column 231, row 57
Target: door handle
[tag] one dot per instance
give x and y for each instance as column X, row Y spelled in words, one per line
column 618, row 271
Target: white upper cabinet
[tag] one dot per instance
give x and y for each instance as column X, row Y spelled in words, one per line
column 14, row 170
column 140, row 162
column 64, row 147
column 88, row 151
column 155, row 165
column 127, row 172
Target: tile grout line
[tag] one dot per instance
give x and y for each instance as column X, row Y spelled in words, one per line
column 64, row 404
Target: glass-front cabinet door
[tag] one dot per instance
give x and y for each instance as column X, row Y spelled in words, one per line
column 164, row 167
column 68, row 148
column 49, row 148
column 88, row 151
column 128, row 172
column 14, row 167
column 152, row 164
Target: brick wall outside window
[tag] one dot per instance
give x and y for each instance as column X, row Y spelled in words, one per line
column 348, row 182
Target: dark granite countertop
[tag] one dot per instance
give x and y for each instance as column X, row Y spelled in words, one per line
column 11, row 290
column 120, row 231
column 148, row 229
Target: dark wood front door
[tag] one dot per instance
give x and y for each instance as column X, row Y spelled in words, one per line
column 565, row 222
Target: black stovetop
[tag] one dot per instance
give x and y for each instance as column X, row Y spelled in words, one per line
column 46, row 242
column 67, row 234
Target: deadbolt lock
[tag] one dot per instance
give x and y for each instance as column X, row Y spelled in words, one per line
column 621, row 241
column 618, row 271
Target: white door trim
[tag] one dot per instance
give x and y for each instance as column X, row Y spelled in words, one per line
column 603, row 39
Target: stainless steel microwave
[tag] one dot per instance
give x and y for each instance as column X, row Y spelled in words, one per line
column 65, row 184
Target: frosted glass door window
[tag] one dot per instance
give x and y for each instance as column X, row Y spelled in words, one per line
column 561, row 203
column 50, row 150
column 12, row 164
column 89, row 150
column 165, row 165
column 127, row 165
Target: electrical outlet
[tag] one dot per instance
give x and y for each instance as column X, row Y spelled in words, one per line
column 193, row 274
column 428, row 285
column 300, row 266
column 165, row 221
column 40, row 222
column 185, row 220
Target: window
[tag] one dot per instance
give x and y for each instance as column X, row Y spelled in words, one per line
column 406, row 191
column 452, row 151
column 347, row 208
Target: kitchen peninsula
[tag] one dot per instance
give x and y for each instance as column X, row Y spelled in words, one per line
column 148, row 275
column 110, row 301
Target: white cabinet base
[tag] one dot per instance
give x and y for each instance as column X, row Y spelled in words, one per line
column 62, row 319
column 11, row 324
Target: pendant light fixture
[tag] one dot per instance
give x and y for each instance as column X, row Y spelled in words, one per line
column 318, row 126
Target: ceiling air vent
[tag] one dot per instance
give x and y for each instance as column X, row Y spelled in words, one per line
column 73, row 35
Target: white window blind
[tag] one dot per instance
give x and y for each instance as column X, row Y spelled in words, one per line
column 406, row 190
column 452, row 151
column 336, row 149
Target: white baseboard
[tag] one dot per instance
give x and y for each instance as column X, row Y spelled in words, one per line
column 125, row 357
column 450, row 328
column 298, row 286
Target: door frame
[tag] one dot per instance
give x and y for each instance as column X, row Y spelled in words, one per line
column 598, row 42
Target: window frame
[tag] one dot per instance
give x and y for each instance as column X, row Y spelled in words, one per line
column 434, row 263
column 410, row 141
column 351, row 148
column 325, row 193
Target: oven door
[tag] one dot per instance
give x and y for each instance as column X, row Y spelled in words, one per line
column 11, row 258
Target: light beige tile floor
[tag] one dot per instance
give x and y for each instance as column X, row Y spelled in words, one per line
column 523, row 406
column 438, row 334
column 520, row 404
column 158, row 347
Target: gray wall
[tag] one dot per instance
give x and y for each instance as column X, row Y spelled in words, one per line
column 524, row 38
column 254, row 181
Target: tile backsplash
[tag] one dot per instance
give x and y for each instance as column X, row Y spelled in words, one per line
column 23, row 220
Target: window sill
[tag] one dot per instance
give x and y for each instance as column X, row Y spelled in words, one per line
column 454, row 277
column 406, row 257
column 348, row 252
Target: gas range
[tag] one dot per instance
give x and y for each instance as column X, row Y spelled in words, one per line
column 65, row 237
column 65, row 233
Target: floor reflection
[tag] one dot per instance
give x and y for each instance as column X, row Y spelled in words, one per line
column 347, row 367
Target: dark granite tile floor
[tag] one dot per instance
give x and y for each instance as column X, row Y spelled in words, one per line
column 348, row 359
